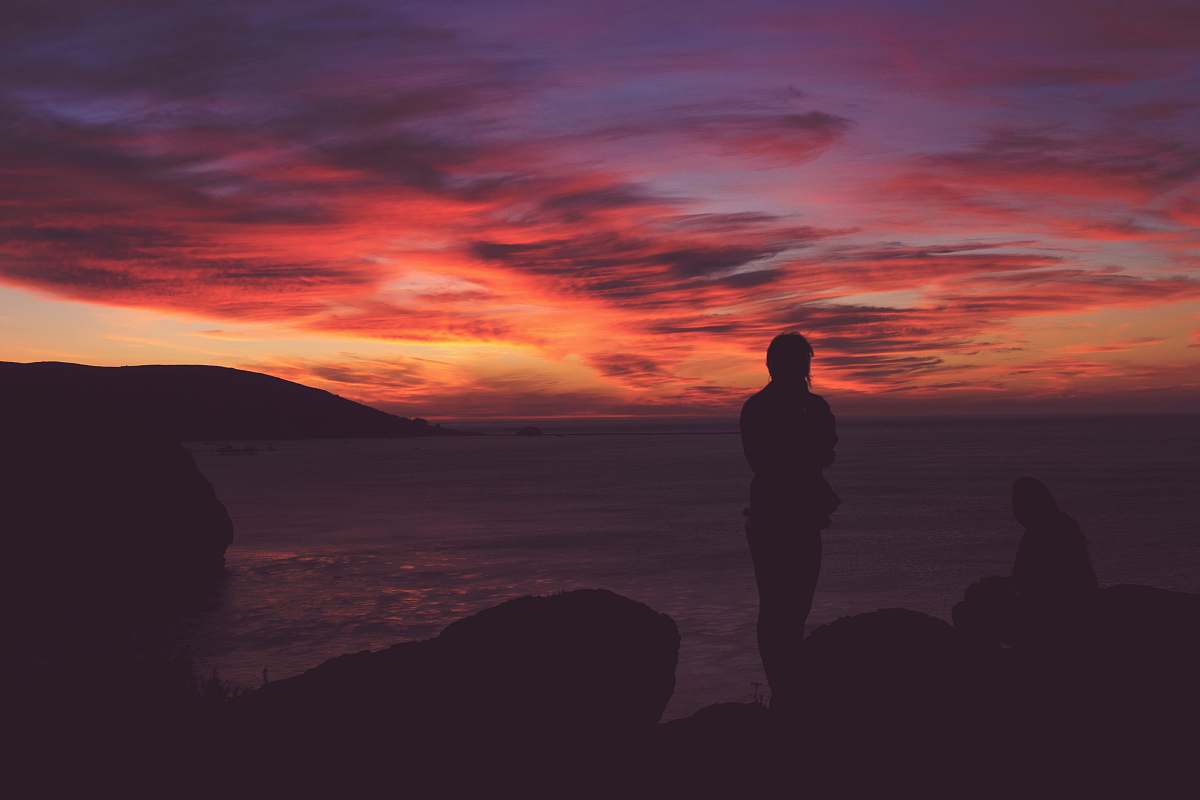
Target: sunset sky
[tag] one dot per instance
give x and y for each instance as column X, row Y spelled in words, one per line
column 470, row 209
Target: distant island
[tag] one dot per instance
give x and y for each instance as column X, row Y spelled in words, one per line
column 191, row 403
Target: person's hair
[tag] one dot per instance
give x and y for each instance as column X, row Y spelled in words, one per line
column 790, row 356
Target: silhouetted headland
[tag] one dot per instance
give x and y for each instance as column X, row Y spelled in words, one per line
column 192, row 403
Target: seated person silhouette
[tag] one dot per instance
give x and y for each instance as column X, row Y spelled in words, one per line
column 788, row 435
column 1052, row 578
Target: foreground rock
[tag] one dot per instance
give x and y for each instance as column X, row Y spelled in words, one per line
column 893, row 668
column 560, row 695
column 99, row 518
column 896, row 702
column 570, row 674
column 111, row 540
column 1147, row 618
column 1138, row 656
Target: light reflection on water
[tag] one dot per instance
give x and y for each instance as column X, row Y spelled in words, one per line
column 349, row 545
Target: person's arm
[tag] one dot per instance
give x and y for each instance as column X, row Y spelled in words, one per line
column 826, row 433
column 751, row 441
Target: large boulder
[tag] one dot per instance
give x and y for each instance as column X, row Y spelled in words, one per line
column 100, row 518
column 1142, row 617
column 887, row 672
column 582, row 665
column 1143, row 655
column 112, row 539
column 722, row 749
column 896, row 698
column 889, row 656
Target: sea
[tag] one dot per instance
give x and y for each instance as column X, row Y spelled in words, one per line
column 349, row 545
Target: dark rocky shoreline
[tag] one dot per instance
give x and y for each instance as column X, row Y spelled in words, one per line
column 544, row 693
column 547, row 695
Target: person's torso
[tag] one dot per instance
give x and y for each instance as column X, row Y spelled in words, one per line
column 787, row 437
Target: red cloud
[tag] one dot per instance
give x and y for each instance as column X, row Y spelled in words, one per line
column 636, row 233
column 1019, row 162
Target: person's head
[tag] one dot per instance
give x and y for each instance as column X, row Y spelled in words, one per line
column 789, row 358
column 1032, row 501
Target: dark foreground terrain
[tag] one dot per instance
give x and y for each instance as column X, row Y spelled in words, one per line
column 563, row 694
column 112, row 541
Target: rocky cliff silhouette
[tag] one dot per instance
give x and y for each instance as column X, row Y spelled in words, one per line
column 190, row 403
column 105, row 528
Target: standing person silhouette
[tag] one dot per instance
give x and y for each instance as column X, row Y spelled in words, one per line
column 788, row 435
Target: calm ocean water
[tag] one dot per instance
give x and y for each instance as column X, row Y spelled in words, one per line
column 349, row 545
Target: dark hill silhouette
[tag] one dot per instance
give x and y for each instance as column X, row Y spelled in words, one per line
column 190, row 403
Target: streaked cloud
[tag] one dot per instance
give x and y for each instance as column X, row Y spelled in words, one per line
column 486, row 208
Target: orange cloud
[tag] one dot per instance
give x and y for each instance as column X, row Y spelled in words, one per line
column 562, row 231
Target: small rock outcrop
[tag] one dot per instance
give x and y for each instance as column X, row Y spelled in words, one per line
column 1140, row 649
column 530, row 430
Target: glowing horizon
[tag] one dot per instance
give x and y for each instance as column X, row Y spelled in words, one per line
column 527, row 210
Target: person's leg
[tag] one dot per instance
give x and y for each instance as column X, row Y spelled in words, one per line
column 787, row 564
column 806, row 556
column 769, row 576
